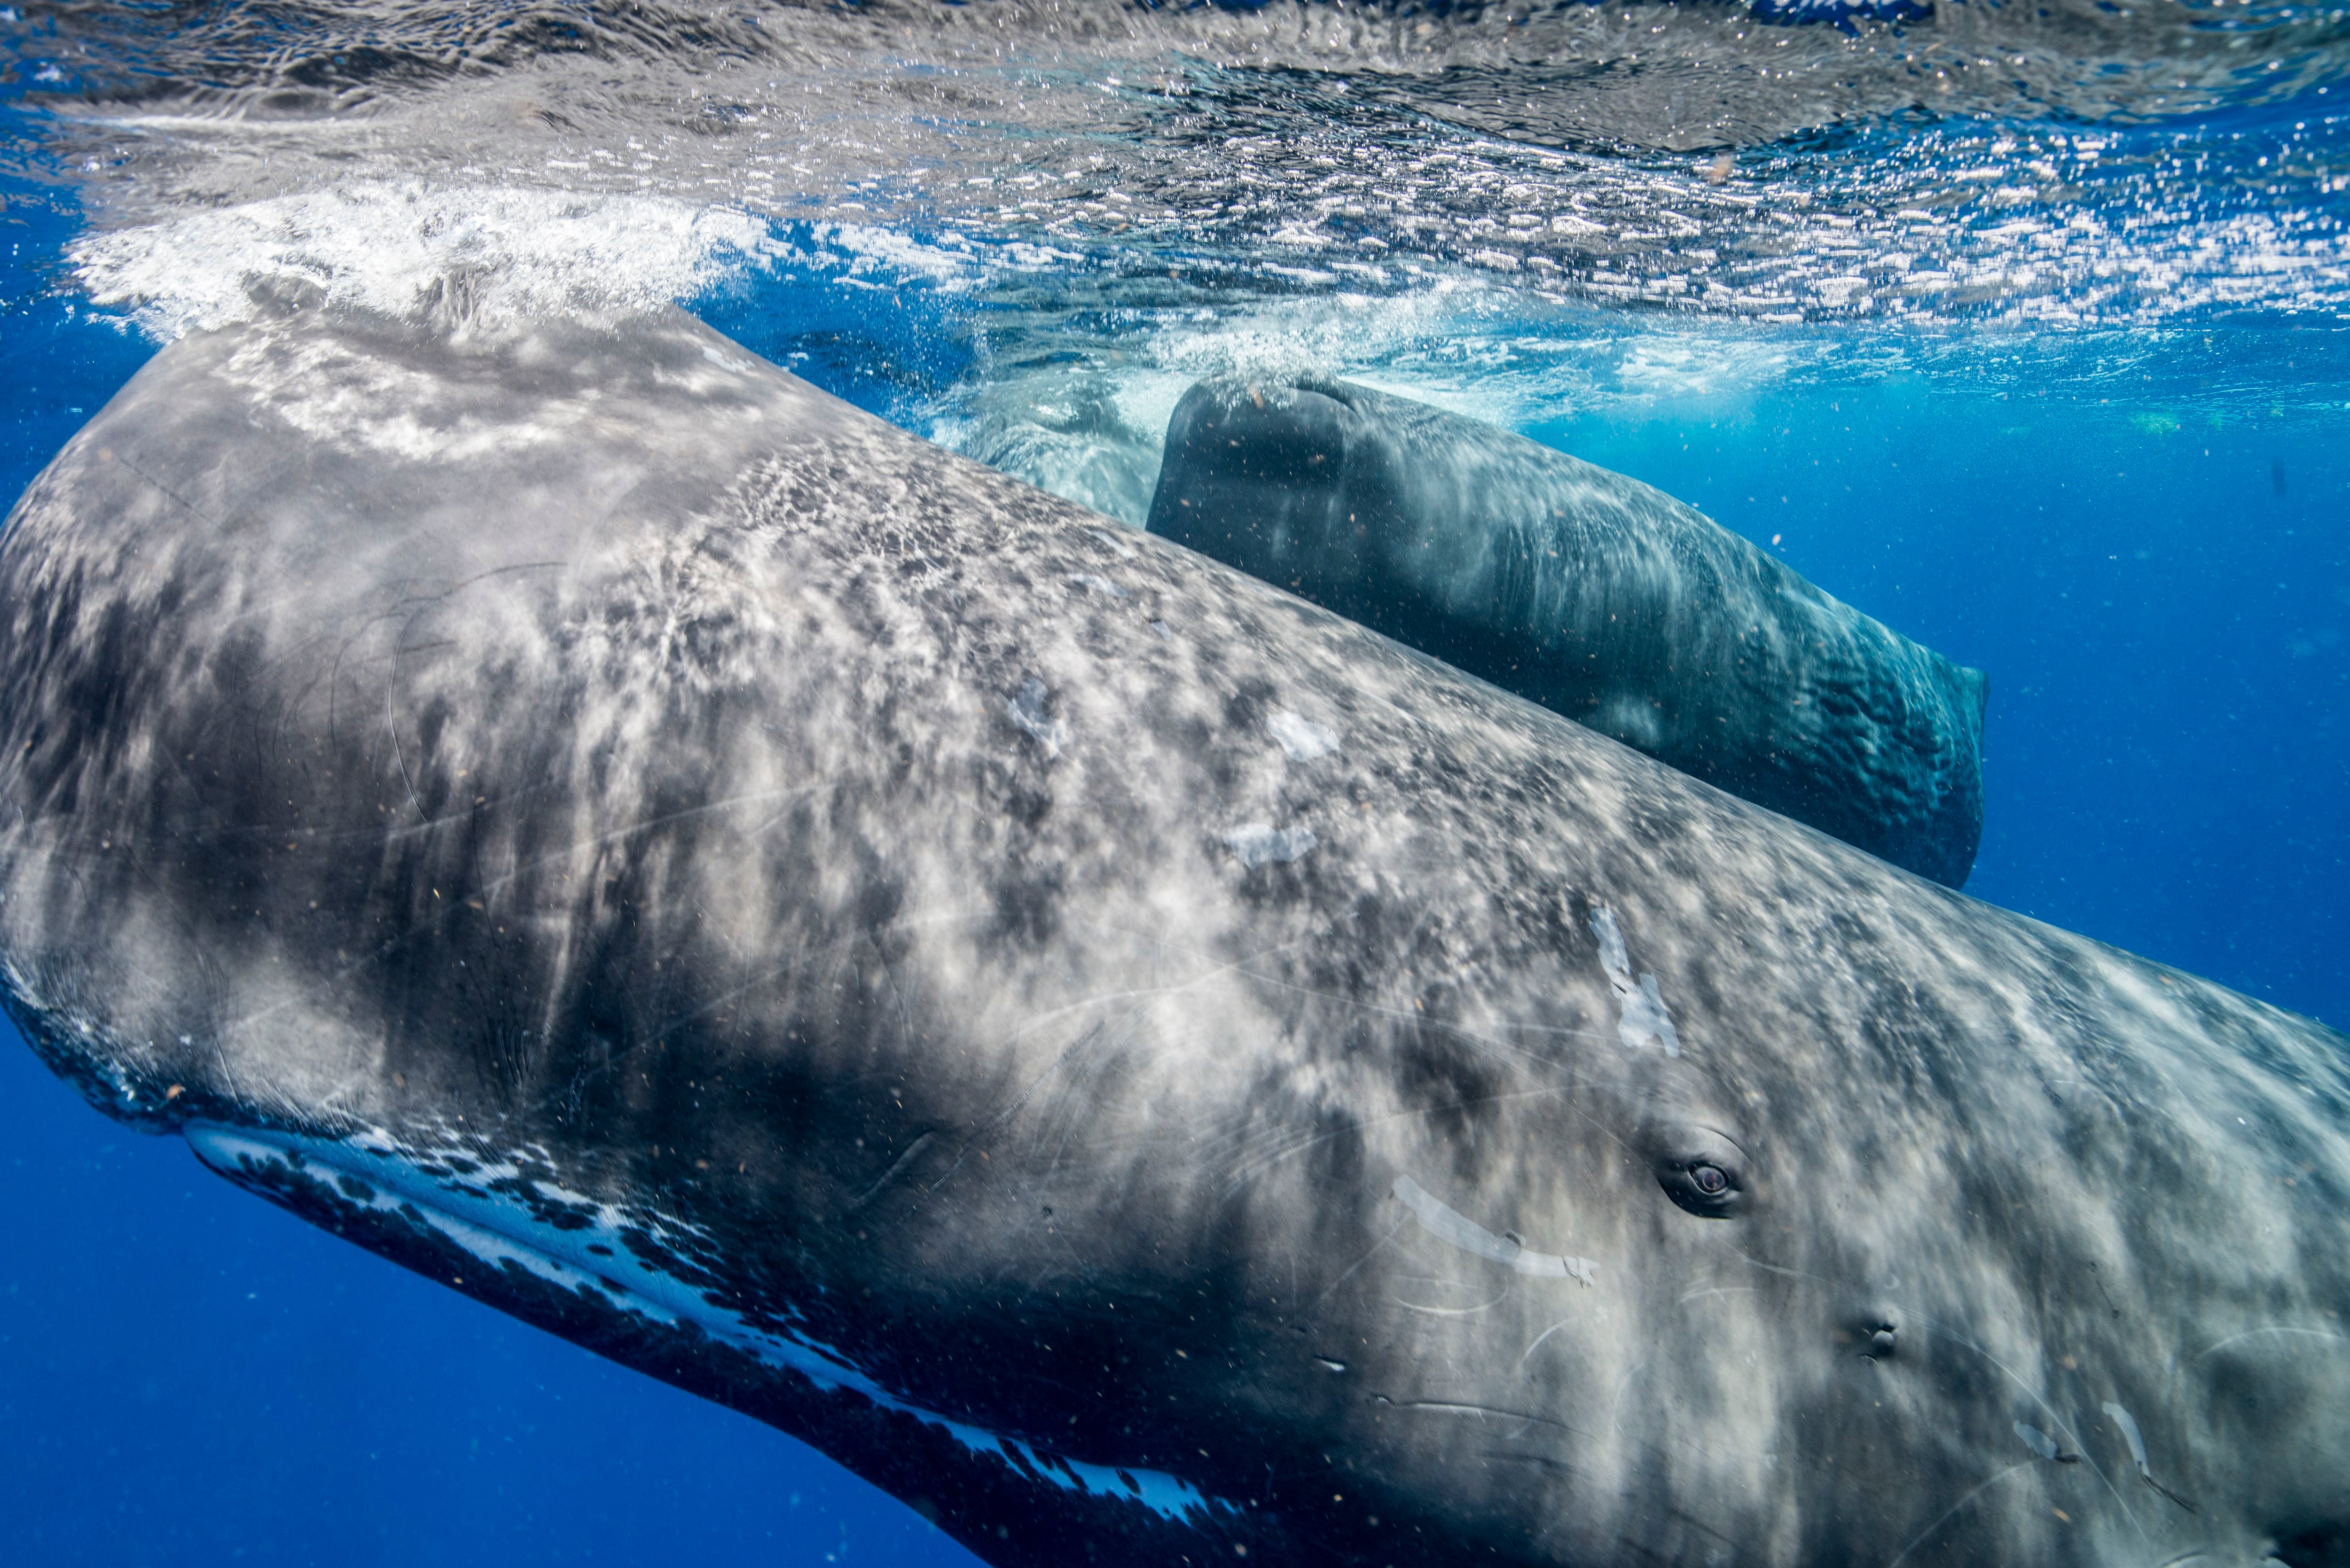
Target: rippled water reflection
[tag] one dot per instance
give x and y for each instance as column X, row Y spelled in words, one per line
column 2078, row 164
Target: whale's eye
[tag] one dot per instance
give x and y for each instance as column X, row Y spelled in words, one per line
column 1701, row 1170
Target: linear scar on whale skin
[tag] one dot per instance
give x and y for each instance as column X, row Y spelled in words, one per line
column 1592, row 593
column 1136, row 1064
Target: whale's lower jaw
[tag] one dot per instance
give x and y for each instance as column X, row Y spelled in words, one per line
column 622, row 1285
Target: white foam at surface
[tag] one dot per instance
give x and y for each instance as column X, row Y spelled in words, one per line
column 491, row 254
column 1289, row 337
column 389, row 247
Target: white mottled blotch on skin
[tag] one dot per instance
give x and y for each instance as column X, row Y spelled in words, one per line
column 1302, row 739
column 1643, row 1020
column 1262, row 844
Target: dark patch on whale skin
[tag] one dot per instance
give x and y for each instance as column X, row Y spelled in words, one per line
column 1589, row 593
column 708, row 718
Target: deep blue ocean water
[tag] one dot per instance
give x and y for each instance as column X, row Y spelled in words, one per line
column 2132, row 511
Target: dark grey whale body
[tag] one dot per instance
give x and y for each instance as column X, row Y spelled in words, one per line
column 1140, row 1068
column 1592, row 593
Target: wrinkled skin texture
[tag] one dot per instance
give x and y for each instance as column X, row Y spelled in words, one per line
column 1595, row 595
column 590, row 781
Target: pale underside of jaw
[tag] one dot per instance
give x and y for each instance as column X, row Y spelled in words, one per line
column 484, row 1211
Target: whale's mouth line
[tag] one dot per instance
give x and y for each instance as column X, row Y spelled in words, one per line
column 598, row 1255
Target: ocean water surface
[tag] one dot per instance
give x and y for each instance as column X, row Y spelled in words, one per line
column 2023, row 327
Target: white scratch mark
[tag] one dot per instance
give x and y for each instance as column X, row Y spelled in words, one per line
column 1537, row 1344
column 2256, row 1332
column 1451, row 1312
column 1446, row 1224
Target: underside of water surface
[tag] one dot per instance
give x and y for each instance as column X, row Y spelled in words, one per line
column 2021, row 326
